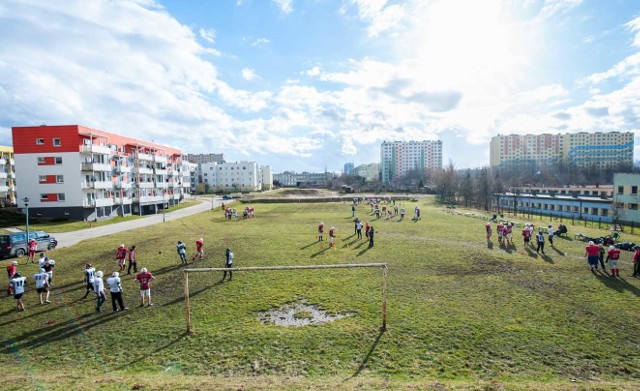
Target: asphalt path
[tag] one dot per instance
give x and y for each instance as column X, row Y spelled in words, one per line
column 67, row 239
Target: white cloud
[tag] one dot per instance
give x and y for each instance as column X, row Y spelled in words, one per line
column 555, row 7
column 249, row 74
column 380, row 16
column 208, row 35
column 628, row 66
column 260, row 42
column 285, row 6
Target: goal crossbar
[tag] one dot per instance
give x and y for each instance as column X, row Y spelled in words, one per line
column 383, row 266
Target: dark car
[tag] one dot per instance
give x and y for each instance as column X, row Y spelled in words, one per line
column 15, row 244
column 227, row 197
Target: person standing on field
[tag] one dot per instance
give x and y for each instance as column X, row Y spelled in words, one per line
column 488, row 230
column 115, row 289
column 18, row 283
column 540, row 240
column 33, row 247
column 42, row 285
column 601, row 253
column 12, row 268
column 612, row 257
column 121, row 256
column 199, row 249
column 144, row 278
column 182, row 252
column 353, row 210
column 359, row 229
column 228, row 264
column 320, row 232
column 636, row 262
column 89, row 275
column 592, row 253
column 550, row 233
column 132, row 260
column 332, row 236
column 372, row 233
column 98, row 287
column 355, row 225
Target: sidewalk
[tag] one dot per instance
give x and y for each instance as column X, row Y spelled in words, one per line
column 67, row 239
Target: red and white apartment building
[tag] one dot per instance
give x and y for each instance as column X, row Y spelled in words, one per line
column 75, row 172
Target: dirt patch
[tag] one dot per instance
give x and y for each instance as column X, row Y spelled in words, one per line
column 299, row 313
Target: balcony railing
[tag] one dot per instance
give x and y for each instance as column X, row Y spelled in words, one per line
column 122, row 200
column 145, row 185
column 123, row 185
column 3, row 161
column 144, row 156
column 147, row 199
column 160, row 171
column 143, row 170
column 161, row 159
column 4, row 189
column 162, row 185
column 101, row 149
column 122, row 168
column 98, row 202
column 95, row 167
column 4, row 175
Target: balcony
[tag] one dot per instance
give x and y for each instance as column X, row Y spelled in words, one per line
column 4, row 175
column 143, row 170
column 161, row 159
column 3, row 161
column 122, row 200
column 107, row 185
column 92, row 148
column 97, row 203
column 12, row 175
column 124, row 185
column 145, row 185
column 144, row 156
column 148, row 199
column 122, row 169
column 95, row 167
column 12, row 162
column 161, row 171
column 4, row 189
column 162, row 185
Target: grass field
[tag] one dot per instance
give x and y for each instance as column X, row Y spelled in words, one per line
column 461, row 314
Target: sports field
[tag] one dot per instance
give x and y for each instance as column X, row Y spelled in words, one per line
column 461, row 314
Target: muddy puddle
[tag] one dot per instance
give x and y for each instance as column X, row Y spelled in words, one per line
column 299, row 313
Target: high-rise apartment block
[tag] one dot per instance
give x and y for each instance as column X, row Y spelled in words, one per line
column 202, row 158
column 399, row 157
column 583, row 149
column 86, row 174
column 7, row 177
column 348, row 168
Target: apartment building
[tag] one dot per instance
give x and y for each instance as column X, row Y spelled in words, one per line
column 599, row 150
column 80, row 173
column 399, row 157
column 7, row 176
column 369, row 172
column 303, row 179
column 236, row 176
column 626, row 197
column 201, row 158
column 348, row 168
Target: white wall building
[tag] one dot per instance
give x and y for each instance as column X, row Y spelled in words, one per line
column 236, row 176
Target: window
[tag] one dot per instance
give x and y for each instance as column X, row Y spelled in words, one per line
column 633, row 206
column 57, row 142
column 61, row 197
column 620, row 189
column 39, row 141
column 59, row 179
column 44, row 197
column 634, row 190
column 41, row 160
column 58, row 159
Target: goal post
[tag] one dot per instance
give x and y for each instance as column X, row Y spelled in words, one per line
column 382, row 266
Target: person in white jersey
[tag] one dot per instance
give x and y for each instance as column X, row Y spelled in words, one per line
column 42, row 285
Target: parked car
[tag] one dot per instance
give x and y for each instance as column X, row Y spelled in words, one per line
column 15, row 244
column 227, row 197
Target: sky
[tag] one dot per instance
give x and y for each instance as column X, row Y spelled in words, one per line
column 308, row 85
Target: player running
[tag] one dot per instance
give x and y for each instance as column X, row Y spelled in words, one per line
column 42, row 285
column 89, row 274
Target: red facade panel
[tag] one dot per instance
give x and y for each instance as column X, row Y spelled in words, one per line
column 48, row 161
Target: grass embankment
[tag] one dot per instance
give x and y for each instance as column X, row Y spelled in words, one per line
column 68, row 226
column 461, row 314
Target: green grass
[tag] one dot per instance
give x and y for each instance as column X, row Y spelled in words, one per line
column 461, row 314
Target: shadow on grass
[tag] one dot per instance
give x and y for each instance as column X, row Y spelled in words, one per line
column 489, row 244
column 561, row 253
column 309, row 245
column 141, row 357
column 320, row 252
column 364, row 362
column 547, row 258
column 530, row 252
column 180, row 299
column 365, row 250
column 617, row 283
column 350, row 243
column 168, row 269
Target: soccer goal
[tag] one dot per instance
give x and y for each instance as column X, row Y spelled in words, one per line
column 382, row 266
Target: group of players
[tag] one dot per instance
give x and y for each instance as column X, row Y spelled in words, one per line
column 43, row 278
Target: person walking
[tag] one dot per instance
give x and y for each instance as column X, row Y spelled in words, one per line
column 320, row 232
column 613, row 255
column 228, row 264
column 121, row 257
column 332, row 236
column 115, row 289
column 359, row 229
column 182, row 252
column 132, row 260
column 18, row 284
column 526, row 235
column 355, row 225
column 488, row 230
column 145, row 278
column 98, row 287
column 601, row 252
column 42, row 285
column 636, row 262
column 12, row 268
column 372, row 233
column 89, row 275
column 353, row 210
column 199, row 249
column 540, row 240
column 592, row 252
column 402, row 211
column 550, row 232
column 48, row 267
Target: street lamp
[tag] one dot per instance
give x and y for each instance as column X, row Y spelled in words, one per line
column 164, row 207
column 26, row 206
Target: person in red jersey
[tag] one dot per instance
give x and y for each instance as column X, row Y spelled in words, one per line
column 500, row 230
column 320, row 232
column 526, row 235
column 121, row 256
column 636, row 262
column 199, row 249
column 332, row 236
column 489, row 231
column 613, row 255
column 11, row 270
column 33, row 247
column 592, row 252
column 144, row 278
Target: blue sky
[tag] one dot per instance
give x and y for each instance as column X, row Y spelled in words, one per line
column 309, row 85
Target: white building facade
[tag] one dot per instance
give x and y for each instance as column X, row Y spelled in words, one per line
column 243, row 176
column 399, row 157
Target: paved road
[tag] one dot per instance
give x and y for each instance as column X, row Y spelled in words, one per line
column 67, row 239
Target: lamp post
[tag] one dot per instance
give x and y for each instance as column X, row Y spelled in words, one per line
column 26, row 206
column 212, row 197
column 164, row 207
